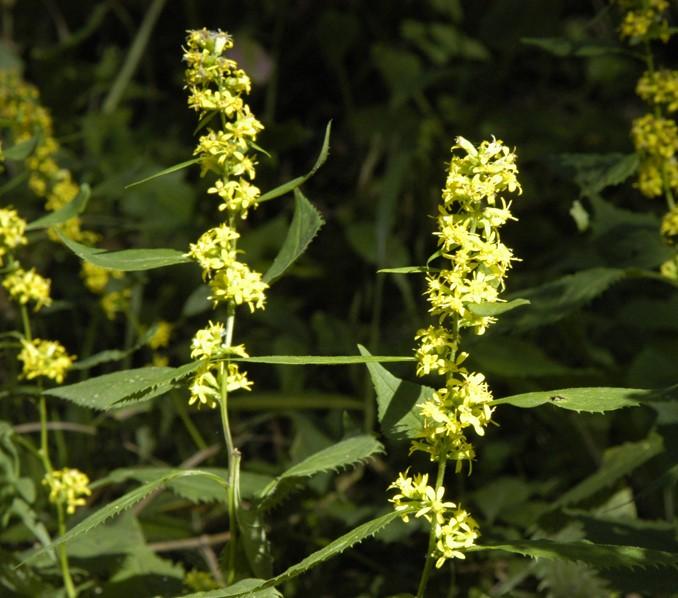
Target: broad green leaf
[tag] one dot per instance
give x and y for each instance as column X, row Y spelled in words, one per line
column 70, row 210
column 22, row 150
column 595, row 172
column 618, row 461
column 590, row 400
column 250, row 588
column 127, row 260
column 294, row 183
column 114, row 509
column 407, row 270
column 337, row 456
column 121, row 389
column 318, row 557
column 255, row 541
column 118, row 536
column 601, row 556
column 396, row 401
column 560, row 46
column 169, row 170
column 195, row 489
column 305, row 225
column 556, row 299
column 495, row 309
column 322, row 359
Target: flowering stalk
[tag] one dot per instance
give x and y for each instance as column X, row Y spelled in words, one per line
column 216, row 89
column 41, row 359
column 469, row 218
column 655, row 134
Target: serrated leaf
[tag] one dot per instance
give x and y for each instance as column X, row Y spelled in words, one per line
column 169, row 170
column 407, row 270
column 590, row 400
column 322, row 359
column 126, row 260
column 306, row 222
column 556, row 299
column 618, row 461
column 495, row 309
column 335, row 547
column 396, row 401
column 560, row 46
column 294, row 183
column 333, row 458
column 76, row 206
column 595, row 172
column 251, row 588
column 601, row 556
column 22, row 150
column 120, row 389
column 113, row 509
column 201, row 489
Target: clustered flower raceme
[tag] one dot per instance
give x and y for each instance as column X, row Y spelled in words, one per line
column 469, row 218
column 40, row 358
column 655, row 134
column 67, row 487
column 216, row 90
column 644, row 20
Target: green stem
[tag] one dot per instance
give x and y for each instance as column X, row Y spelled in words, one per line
column 232, row 453
column 26, row 322
column 428, row 566
column 63, row 556
column 133, row 57
column 192, row 430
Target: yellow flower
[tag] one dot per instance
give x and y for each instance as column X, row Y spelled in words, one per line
column 206, row 386
column 115, row 302
column 645, row 20
column 655, row 136
column 208, row 343
column 67, row 487
column 161, row 336
column 96, row 278
column 669, row 226
column 12, row 228
column 239, row 284
column 659, row 88
column 27, row 285
column 44, row 358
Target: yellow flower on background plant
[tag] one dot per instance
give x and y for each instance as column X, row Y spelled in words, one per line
column 44, row 358
column 12, row 229
column 67, row 487
column 27, row 285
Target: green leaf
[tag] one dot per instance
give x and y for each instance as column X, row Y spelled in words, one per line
column 601, row 556
column 263, row 401
column 294, row 183
column 113, row 509
column 337, row 456
column 407, row 270
column 560, row 46
column 127, row 260
column 254, row 539
column 70, row 210
column 322, row 359
column 495, row 309
column 556, row 299
column 22, row 150
column 335, row 547
column 251, row 588
column 169, row 170
column 588, row 399
column 120, row 389
column 305, row 225
column 396, row 401
column 595, row 172
column 617, row 462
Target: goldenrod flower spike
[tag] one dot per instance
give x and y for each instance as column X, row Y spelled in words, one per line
column 475, row 264
column 67, row 487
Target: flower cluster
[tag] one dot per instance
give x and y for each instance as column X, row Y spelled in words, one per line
column 659, row 88
column 655, row 134
column 216, row 91
column 644, row 20
column 44, row 358
column 27, row 285
column 67, row 487
column 20, row 106
column 12, row 229
column 475, row 266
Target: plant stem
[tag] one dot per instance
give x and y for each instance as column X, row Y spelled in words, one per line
column 233, row 492
column 63, row 556
column 133, row 57
column 425, row 574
